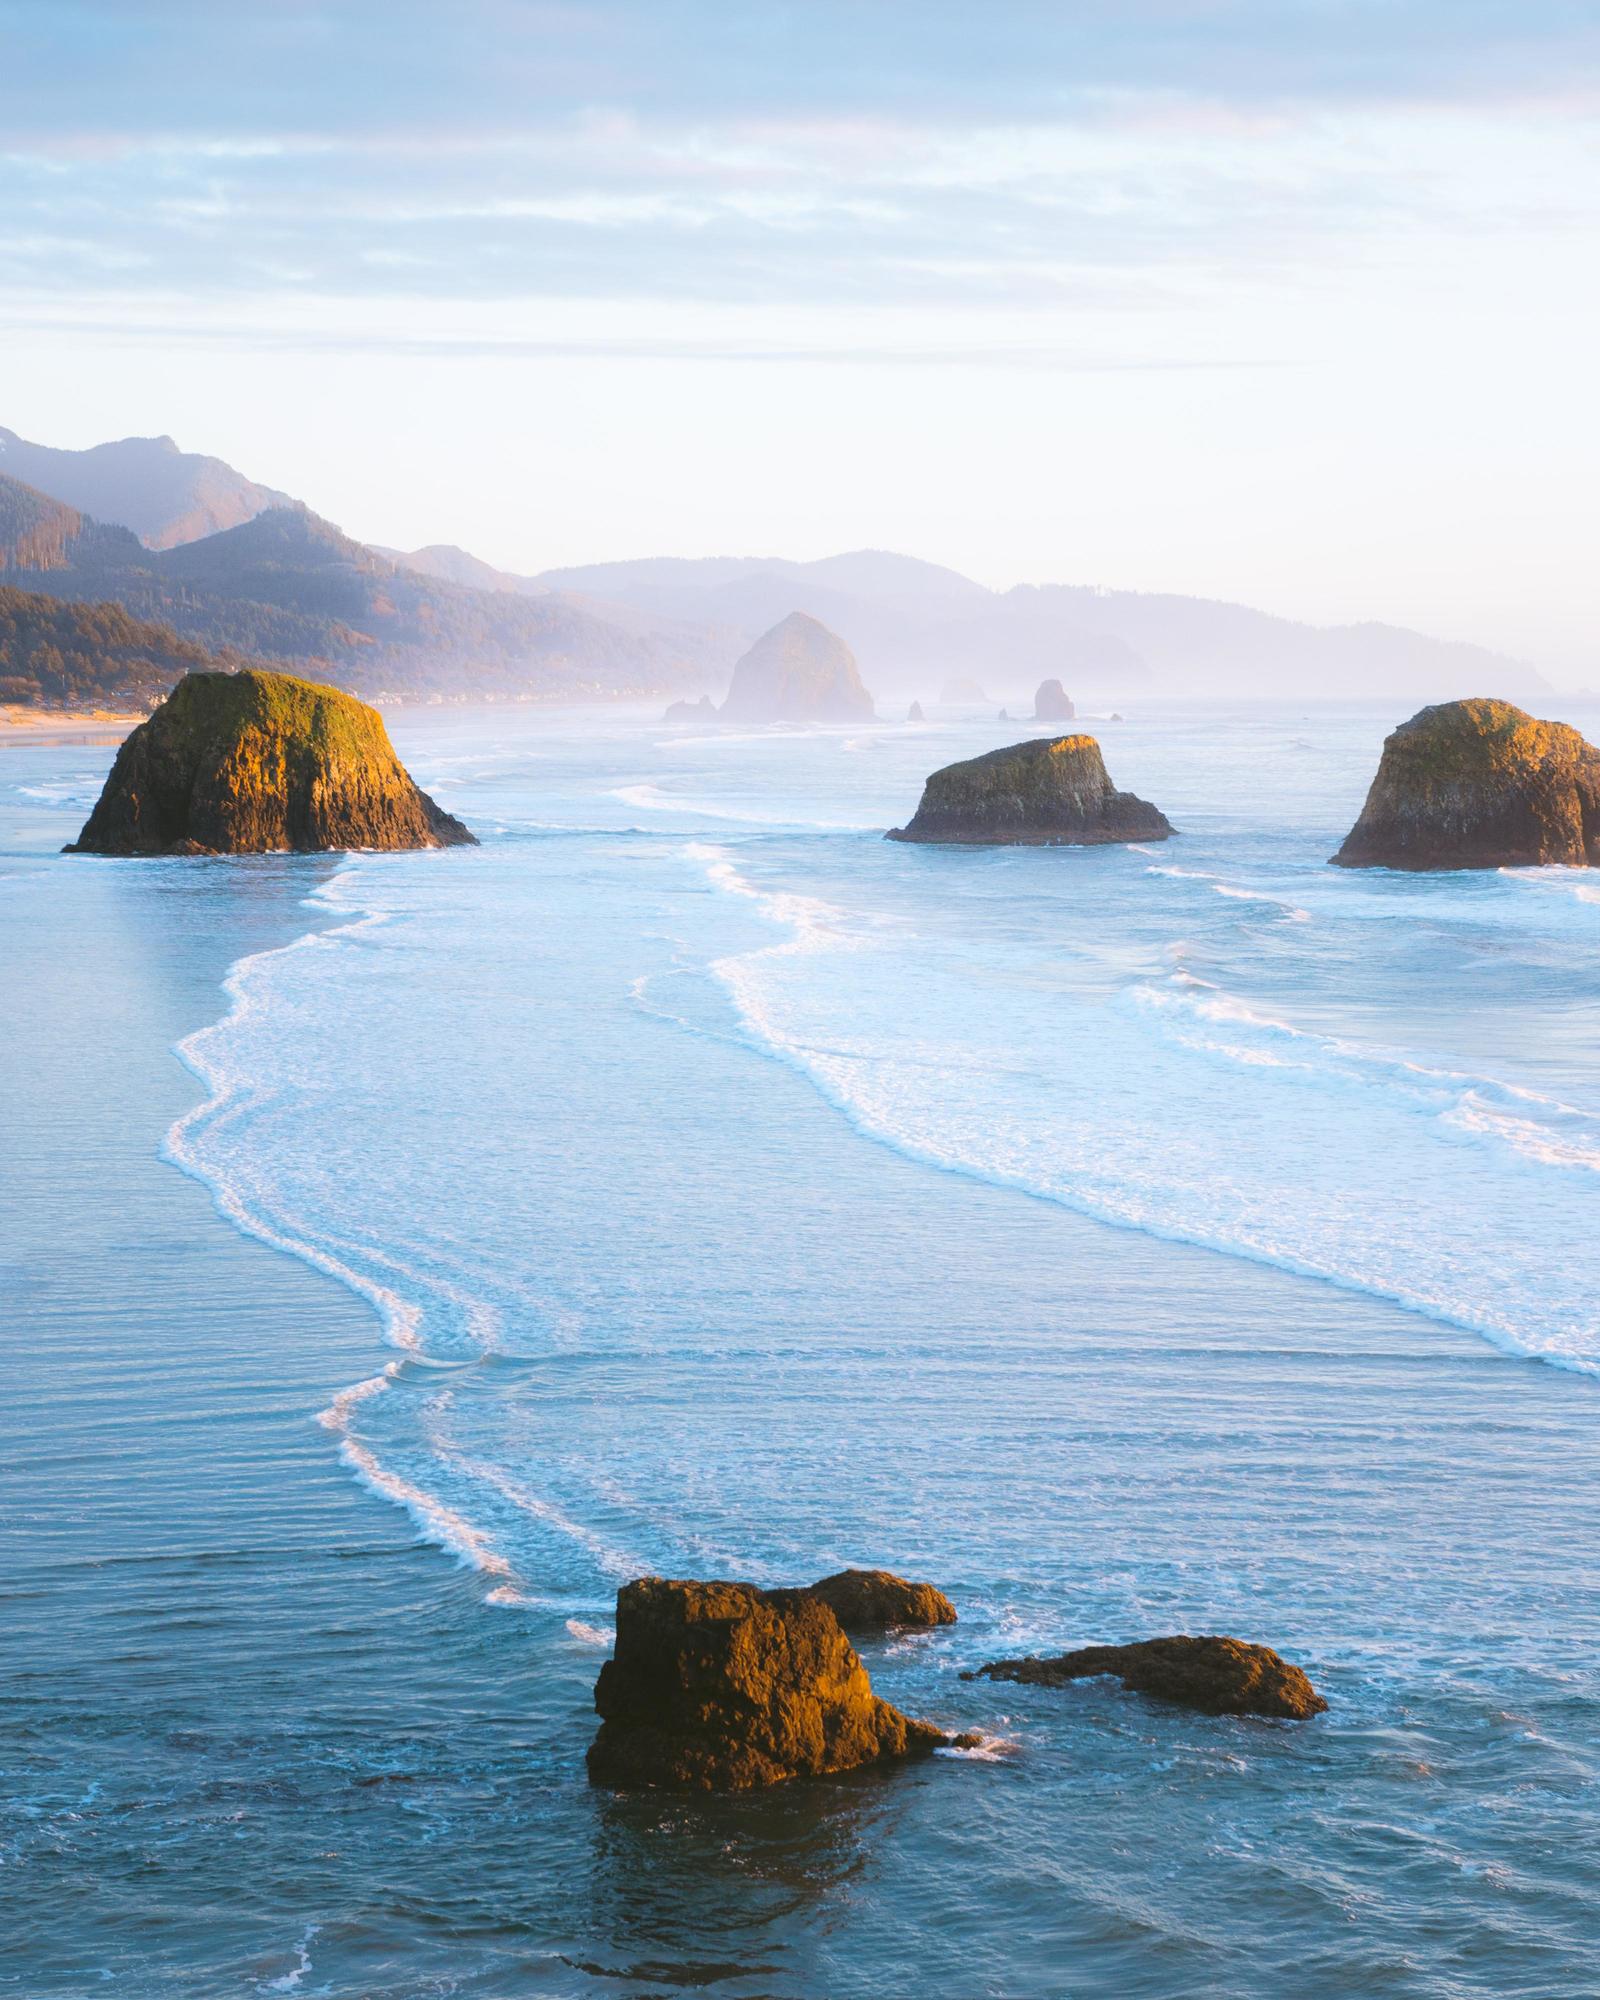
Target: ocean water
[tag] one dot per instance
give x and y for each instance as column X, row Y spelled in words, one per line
column 406, row 1250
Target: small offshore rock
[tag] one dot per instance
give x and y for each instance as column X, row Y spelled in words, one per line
column 256, row 763
column 721, row 1687
column 1052, row 703
column 914, row 713
column 876, row 1600
column 1217, row 1675
column 703, row 710
column 1045, row 792
column 1479, row 784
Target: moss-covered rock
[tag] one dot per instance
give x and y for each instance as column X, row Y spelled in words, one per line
column 254, row 763
column 720, row 1687
column 1046, row 792
column 1479, row 784
column 797, row 672
column 1219, row 1676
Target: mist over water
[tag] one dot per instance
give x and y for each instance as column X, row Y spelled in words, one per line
column 729, row 1192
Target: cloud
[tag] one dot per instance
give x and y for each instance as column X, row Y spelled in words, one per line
column 1024, row 157
column 345, row 66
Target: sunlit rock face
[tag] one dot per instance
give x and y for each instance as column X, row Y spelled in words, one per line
column 1051, row 791
column 797, row 672
column 1479, row 784
column 720, row 1687
column 254, row 763
column 876, row 1600
column 1218, row 1676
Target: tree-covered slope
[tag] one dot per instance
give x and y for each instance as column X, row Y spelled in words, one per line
column 291, row 589
column 55, row 655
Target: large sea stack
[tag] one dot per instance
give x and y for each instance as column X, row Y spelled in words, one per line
column 254, row 763
column 720, row 1687
column 1050, row 791
column 1480, row 784
column 797, row 672
column 1052, row 703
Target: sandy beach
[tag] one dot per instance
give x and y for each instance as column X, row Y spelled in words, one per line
column 20, row 725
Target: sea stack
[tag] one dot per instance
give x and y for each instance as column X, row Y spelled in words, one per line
column 703, row 710
column 1052, row 703
column 257, row 763
column 914, row 713
column 797, row 672
column 720, row 1687
column 1050, row 791
column 1479, row 784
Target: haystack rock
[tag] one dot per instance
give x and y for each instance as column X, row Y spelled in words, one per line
column 797, row 672
column 876, row 1600
column 256, row 763
column 720, row 1687
column 1479, row 784
column 1216, row 1675
column 703, row 710
column 1052, row 703
column 914, row 713
column 1046, row 792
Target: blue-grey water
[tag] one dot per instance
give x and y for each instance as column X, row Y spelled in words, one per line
column 402, row 1251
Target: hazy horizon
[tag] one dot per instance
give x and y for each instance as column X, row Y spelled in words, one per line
column 1288, row 306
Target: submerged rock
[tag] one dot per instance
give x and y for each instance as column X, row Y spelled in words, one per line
column 1216, row 1675
column 1052, row 703
column 1049, row 791
column 1479, row 784
column 876, row 1600
column 254, row 763
column 914, row 713
column 720, row 1687
column 703, row 710
column 797, row 672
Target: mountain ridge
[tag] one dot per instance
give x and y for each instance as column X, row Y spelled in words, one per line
column 162, row 494
column 290, row 589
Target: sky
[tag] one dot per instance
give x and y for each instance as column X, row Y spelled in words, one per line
column 1292, row 303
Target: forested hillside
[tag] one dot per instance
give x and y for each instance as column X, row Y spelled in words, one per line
column 290, row 589
column 55, row 655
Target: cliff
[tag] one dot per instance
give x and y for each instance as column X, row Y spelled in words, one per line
column 797, row 672
column 1046, row 792
column 254, row 763
column 1479, row 784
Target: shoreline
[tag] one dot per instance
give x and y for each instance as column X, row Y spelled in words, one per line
column 25, row 727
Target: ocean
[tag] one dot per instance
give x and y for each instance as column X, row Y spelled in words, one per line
column 402, row 1251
